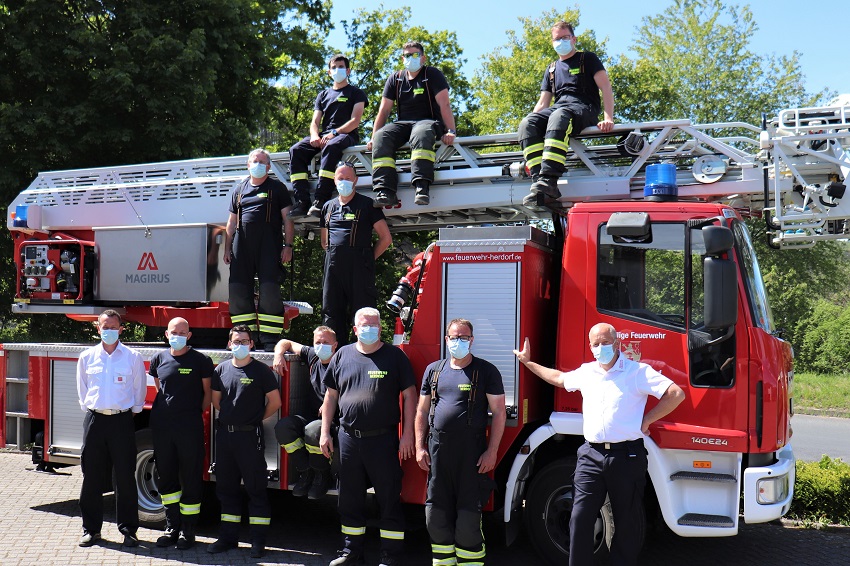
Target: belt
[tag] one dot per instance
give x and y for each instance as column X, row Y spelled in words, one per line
column 625, row 445
column 108, row 411
column 238, row 428
column 357, row 433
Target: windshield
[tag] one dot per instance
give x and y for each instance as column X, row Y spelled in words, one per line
column 750, row 272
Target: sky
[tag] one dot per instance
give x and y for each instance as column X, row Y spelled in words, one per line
column 481, row 27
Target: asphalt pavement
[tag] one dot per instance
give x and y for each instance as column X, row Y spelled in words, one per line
column 41, row 525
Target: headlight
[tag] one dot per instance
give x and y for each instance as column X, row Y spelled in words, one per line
column 772, row 490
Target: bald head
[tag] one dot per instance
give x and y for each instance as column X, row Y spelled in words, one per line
column 600, row 331
column 178, row 326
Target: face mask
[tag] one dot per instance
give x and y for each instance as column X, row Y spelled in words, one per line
column 257, row 170
column 413, row 64
column 563, row 46
column 324, row 351
column 368, row 335
column 241, row 351
column 344, row 188
column 458, row 348
column 109, row 337
column 603, row 353
column 177, row 342
column 339, row 74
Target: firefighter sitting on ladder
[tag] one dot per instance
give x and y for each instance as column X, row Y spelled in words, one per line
column 455, row 451
column 258, row 207
column 574, row 81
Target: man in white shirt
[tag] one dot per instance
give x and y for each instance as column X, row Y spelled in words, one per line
column 111, row 384
column 612, row 461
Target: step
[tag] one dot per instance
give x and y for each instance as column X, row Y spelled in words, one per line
column 704, row 476
column 702, row 520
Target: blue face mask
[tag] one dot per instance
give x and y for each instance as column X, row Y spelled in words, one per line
column 339, row 74
column 413, row 64
column 324, row 351
column 241, row 351
column 563, row 46
column 177, row 342
column 458, row 348
column 109, row 337
column 368, row 335
column 603, row 353
column 257, row 170
column 344, row 188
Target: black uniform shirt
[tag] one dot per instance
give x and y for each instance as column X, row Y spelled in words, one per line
column 453, row 387
column 369, row 385
column 336, row 106
column 350, row 224
column 181, row 389
column 317, row 379
column 574, row 83
column 243, row 391
column 412, row 96
column 260, row 204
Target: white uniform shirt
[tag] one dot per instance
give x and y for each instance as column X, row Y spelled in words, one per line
column 115, row 381
column 614, row 401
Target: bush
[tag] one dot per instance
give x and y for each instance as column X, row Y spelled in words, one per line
column 825, row 346
column 822, row 492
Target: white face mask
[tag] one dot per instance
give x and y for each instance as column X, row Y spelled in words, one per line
column 563, row 46
column 257, row 170
column 240, row 351
column 339, row 74
column 344, row 188
column 603, row 353
column 324, row 351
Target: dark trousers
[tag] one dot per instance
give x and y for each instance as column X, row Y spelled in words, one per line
column 545, row 136
column 300, row 439
column 178, row 446
column 363, row 461
column 256, row 250
column 109, row 443
column 239, row 458
column 349, row 285
column 423, row 136
column 300, row 156
column 456, row 493
column 621, row 473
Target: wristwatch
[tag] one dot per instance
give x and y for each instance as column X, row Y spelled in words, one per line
column 287, row 245
column 334, row 132
column 451, row 132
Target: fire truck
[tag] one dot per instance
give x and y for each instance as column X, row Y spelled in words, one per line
column 648, row 236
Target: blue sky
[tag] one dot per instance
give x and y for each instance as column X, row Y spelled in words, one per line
column 481, row 27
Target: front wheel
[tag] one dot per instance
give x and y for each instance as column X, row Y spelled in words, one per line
column 151, row 509
column 548, row 506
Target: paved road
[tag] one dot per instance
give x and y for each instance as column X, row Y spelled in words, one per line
column 41, row 525
column 815, row 436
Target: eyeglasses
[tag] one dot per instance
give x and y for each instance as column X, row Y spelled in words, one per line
column 240, row 342
column 565, row 38
column 344, row 164
column 409, row 55
column 461, row 338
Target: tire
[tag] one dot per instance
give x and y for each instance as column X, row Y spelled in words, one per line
column 548, row 505
column 151, row 509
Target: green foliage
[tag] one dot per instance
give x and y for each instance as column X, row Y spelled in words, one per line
column 699, row 50
column 508, row 84
column 825, row 337
column 375, row 40
column 828, row 392
column 822, row 492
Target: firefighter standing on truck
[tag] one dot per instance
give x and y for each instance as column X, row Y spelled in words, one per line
column 245, row 392
column 346, row 227
column 182, row 376
column 574, row 81
column 452, row 446
column 299, row 433
column 259, row 206
column 364, row 380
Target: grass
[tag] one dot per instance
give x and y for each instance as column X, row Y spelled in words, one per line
column 822, row 392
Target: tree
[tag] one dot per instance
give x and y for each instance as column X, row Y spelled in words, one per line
column 700, row 50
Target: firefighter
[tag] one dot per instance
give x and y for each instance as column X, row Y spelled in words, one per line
column 336, row 117
column 111, row 385
column 612, row 460
column 451, row 445
column 573, row 81
column 299, row 433
column 424, row 116
column 346, row 224
column 259, row 206
column 245, row 392
column 182, row 376
column 364, row 380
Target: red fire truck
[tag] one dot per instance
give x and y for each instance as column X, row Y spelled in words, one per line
column 649, row 236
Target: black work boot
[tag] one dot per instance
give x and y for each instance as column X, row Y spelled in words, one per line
column 169, row 538
column 302, row 486
column 300, row 209
column 347, row 556
column 423, row 188
column 316, row 210
column 321, row 482
column 187, row 537
column 385, row 198
column 543, row 186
